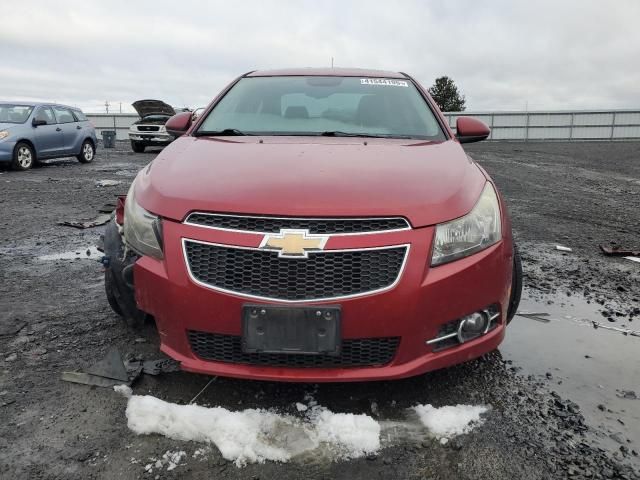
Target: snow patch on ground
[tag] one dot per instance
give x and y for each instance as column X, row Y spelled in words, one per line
column 258, row 435
column 124, row 390
column 251, row 435
column 169, row 459
column 447, row 422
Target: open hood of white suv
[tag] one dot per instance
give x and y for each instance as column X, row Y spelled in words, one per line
column 152, row 107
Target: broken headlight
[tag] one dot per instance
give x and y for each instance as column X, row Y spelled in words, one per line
column 475, row 231
column 142, row 230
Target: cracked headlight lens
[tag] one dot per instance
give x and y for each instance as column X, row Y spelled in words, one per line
column 142, row 230
column 470, row 234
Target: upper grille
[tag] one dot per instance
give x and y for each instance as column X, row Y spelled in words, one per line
column 148, row 128
column 327, row 274
column 353, row 352
column 314, row 225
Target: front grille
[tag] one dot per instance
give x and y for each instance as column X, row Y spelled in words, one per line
column 327, row 274
column 313, row 225
column 148, row 128
column 369, row 352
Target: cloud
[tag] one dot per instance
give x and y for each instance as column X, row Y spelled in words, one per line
column 503, row 55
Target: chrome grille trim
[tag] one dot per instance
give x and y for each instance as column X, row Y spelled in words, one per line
column 404, row 221
column 193, row 278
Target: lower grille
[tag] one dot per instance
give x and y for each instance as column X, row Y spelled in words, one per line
column 324, row 275
column 363, row 352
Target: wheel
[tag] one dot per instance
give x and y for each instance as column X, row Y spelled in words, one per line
column 23, row 157
column 516, row 285
column 87, row 152
column 110, row 290
column 137, row 147
column 120, row 295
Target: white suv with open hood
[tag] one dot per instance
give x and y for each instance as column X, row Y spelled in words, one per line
column 150, row 129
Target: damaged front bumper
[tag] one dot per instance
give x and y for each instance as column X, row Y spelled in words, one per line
column 202, row 328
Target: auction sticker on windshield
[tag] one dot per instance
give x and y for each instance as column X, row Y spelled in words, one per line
column 384, row 81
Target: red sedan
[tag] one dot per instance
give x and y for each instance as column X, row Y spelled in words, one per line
column 316, row 225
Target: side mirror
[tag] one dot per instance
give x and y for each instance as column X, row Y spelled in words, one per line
column 36, row 122
column 179, row 124
column 469, row 129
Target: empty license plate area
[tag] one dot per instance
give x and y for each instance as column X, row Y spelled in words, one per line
column 293, row 330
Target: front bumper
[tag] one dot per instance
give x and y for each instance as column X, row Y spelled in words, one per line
column 6, row 149
column 152, row 138
column 414, row 310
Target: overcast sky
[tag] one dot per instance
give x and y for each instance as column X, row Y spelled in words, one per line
column 504, row 55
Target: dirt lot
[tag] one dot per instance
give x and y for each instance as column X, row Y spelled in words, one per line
column 564, row 396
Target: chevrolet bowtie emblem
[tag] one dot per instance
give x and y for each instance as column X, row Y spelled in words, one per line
column 293, row 243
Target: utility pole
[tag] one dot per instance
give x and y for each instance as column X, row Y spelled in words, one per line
column 120, row 107
column 106, row 105
column 331, row 62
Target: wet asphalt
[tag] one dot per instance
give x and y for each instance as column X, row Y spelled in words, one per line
column 564, row 395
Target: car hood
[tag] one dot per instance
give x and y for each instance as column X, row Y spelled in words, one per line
column 8, row 126
column 149, row 107
column 427, row 182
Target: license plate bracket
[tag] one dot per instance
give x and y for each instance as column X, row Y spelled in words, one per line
column 291, row 330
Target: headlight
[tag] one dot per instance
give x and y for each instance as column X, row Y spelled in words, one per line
column 3, row 134
column 142, row 230
column 475, row 231
column 163, row 128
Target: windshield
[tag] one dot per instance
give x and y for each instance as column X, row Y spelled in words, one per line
column 14, row 113
column 323, row 106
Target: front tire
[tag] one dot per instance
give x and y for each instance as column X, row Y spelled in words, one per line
column 120, row 294
column 516, row 285
column 110, row 289
column 24, row 157
column 87, row 152
column 137, row 147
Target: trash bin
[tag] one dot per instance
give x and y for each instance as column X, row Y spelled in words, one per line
column 108, row 139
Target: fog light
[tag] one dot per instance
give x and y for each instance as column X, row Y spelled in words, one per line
column 472, row 326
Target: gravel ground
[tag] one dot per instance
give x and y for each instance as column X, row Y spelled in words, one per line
column 573, row 194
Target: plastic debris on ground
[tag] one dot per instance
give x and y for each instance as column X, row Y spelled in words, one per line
column 618, row 251
column 111, row 370
column 538, row 316
column 102, row 219
column 107, row 183
column 107, row 372
column 563, row 249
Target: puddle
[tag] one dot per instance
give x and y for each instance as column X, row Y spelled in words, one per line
column 85, row 253
column 588, row 366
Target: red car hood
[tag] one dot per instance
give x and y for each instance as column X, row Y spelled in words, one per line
column 427, row 183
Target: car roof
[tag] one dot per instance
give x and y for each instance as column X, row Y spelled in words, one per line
column 39, row 104
column 326, row 72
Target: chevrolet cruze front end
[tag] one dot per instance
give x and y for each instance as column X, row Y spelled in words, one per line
column 316, row 225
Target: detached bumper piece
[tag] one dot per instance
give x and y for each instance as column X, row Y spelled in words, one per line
column 466, row 328
column 363, row 352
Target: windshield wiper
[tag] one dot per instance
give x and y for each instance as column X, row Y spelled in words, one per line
column 227, row 132
column 338, row 133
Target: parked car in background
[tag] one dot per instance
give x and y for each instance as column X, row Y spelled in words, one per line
column 197, row 112
column 150, row 130
column 30, row 132
column 317, row 225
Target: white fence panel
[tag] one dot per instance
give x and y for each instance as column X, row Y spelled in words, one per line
column 558, row 125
